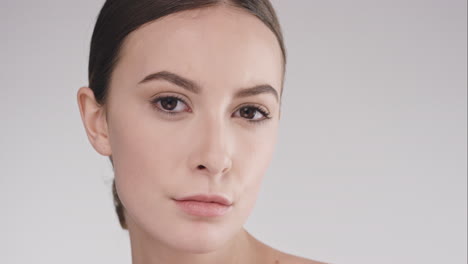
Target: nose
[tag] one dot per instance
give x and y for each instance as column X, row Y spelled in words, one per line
column 211, row 155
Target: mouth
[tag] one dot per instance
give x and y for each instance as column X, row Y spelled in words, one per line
column 204, row 205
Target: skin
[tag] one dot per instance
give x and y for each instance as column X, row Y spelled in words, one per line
column 207, row 146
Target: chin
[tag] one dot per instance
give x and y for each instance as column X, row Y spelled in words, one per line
column 201, row 237
column 184, row 233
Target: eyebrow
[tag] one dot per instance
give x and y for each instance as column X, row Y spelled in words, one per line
column 193, row 87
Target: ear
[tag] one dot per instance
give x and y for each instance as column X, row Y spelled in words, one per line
column 94, row 120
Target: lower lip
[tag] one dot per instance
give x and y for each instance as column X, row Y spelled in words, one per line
column 205, row 209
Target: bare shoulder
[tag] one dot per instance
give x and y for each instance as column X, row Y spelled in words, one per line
column 275, row 256
column 269, row 255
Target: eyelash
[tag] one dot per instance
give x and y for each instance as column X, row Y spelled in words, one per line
column 265, row 113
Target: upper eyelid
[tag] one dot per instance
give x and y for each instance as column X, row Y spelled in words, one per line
column 261, row 107
column 177, row 95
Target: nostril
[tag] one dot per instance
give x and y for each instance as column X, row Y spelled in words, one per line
column 201, row 166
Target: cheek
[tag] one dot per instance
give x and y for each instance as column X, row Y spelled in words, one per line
column 143, row 157
column 141, row 142
column 253, row 160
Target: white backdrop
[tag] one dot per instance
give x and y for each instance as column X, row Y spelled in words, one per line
column 370, row 165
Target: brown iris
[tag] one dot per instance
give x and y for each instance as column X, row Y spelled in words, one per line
column 169, row 103
column 247, row 112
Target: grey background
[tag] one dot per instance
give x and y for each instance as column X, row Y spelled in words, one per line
column 370, row 165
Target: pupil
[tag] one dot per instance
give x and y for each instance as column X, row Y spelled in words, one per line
column 169, row 103
column 247, row 112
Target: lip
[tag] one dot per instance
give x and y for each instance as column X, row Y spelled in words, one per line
column 205, row 205
column 208, row 198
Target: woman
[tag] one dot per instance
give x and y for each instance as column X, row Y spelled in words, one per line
column 184, row 97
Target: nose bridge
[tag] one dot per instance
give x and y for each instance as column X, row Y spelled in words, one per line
column 212, row 151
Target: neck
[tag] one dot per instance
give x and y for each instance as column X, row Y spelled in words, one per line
column 146, row 250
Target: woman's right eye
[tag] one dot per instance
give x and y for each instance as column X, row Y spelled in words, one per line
column 170, row 104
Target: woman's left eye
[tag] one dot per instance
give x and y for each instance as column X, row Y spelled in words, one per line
column 253, row 114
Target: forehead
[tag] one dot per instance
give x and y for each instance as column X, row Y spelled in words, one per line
column 217, row 47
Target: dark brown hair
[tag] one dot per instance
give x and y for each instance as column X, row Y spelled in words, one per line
column 118, row 18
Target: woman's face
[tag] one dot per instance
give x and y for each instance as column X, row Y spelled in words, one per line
column 194, row 127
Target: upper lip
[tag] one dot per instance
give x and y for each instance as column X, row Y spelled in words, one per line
column 213, row 198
